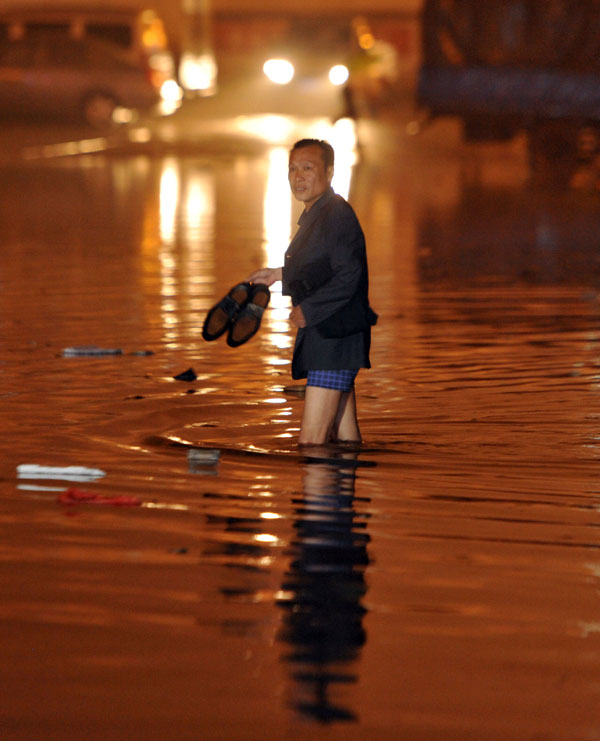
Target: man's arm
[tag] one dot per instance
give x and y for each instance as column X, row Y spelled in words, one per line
column 268, row 276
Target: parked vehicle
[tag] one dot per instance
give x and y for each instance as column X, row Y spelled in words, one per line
column 139, row 34
column 506, row 66
column 50, row 75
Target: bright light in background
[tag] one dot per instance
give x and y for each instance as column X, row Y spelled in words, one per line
column 122, row 115
column 277, row 210
column 277, row 219
column 171, row 95
column 141, row 135
column 198, row 266
column 279, row 71
column 198, row 72
column 338, row 74
column 366, row 40
column 277, row 216
column 284, row 130
column 271, row 128
column 342, row 137
column 168, row 200
column 187, row 207
column 168, row 204
column 343, row 141
column 199, row 208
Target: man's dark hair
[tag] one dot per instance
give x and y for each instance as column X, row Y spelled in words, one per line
column 325, row 147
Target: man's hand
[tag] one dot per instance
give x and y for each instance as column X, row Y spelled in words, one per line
column 297, row 317
column 268, row 276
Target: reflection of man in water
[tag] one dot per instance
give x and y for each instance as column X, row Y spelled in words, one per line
column 325, row 272
column 323, row 590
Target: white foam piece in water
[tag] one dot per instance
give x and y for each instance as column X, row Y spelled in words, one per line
column 64, row 473
column 36, row 487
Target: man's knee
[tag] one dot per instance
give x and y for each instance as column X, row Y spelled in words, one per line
column 318, row 418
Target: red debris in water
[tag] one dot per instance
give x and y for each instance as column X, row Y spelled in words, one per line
column 77, row 496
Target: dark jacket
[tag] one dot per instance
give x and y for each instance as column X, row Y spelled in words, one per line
column 325, row 271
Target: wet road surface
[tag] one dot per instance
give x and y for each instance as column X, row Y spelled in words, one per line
column 442, row 583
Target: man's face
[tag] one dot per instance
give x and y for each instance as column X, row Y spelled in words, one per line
column 307, row 174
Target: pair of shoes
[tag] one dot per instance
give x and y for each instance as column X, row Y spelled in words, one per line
column 239, row 312
column 220, row 317
column 246, row 323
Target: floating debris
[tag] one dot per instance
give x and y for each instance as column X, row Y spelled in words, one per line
column 88, row 351
column 64, row 473
column 179, row 551
column 38, row 487
column 204, row 455
column 77, row 496
column 203, row 460
column 188, row 375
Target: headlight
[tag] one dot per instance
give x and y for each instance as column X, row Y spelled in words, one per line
column 171, row 96
column 198, row 72
column 279, row 71
column 338, row 74
column 170, row 92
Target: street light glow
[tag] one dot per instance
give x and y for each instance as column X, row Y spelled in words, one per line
column 279, row 71
column 198, row 73
column 338, row 74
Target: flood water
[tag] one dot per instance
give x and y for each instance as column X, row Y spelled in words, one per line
column 442, row 583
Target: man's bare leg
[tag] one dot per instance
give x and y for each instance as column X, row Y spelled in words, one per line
column 318, row 418
column 345, row 428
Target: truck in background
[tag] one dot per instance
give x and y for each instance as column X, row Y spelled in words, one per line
column 509, row 66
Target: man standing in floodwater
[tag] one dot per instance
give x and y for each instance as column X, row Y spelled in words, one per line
column 325, row 273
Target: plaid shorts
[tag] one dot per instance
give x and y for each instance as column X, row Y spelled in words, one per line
column 339, row 380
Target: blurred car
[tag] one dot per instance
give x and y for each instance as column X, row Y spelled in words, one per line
column 310, row 56
column 50, row 75
column 343, row 60
column 140, row 34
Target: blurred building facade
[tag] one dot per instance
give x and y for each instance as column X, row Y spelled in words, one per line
column 316, row 6
column 228, row 28
column 175, row 12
